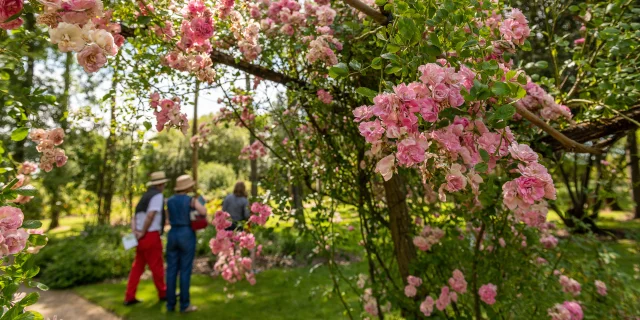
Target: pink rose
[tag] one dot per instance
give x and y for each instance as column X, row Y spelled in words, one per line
column 362, row 113
column 570, row 285
column 28, row 168
column 92, row 58
column 324, row 96
column 411, row 150
column 15, row 240
column 202, row 28
column 432, row 74
column 549, row 242
column 488, row 293
column 9, row 8
column 10, row 218
column 440, row 92
column 372, row 131
column 60, row 158
column 414, row 281
column 457, row 282
column 523, row 153
column 578, row 42
column 56, row 135
column 575, row 309
column 530, row 189
column 601, row 288
column 410, row 291
column 385, row 167
column 78, row 5
column 426, row 307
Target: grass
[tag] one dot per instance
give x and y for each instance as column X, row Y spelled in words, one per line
column 69, row 226
column 278, row 294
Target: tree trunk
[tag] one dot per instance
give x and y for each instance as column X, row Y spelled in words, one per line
column 400, row 223
column 106, row 186
column 635, row 171
column 64, row 124
column 194, row 132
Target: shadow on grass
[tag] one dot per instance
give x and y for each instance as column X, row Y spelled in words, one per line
column 278, row 294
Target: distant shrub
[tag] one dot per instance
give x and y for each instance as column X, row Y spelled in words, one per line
column 95, row 255
column 215, row 176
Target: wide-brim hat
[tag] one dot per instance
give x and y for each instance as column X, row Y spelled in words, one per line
column 156, row 178
column 184, row 182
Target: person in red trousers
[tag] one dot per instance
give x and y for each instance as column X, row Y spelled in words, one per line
column 147, row 225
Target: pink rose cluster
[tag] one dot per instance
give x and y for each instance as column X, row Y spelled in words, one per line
column 397, row 114
column 9, row 8
column 369, row 302
column 204, row 129
column 488, row 293
column 194, row 46
column 228, row 246
column 47, row 142
column 254, row 151
column 570, row 285
column 169, row 113
column 411, row 288
column 459, row 286
column 324, row 96
column 569, row 310
column 538, row 100
column 601, row 288
column 25, row 170
column 84, row 27
column 321, row 49
column 262, row 213
column 515, row 28
column 428, row 237
column 13, row 239
column 526, row 194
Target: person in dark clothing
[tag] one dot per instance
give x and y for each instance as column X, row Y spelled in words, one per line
column 181, row 243
column 237, row 205
column 147, row 226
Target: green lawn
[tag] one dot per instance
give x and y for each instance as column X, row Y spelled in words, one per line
column 278, row 294
column 69, row 226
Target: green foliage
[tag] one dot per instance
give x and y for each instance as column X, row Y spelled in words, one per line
column 95, row 255
column 214, row 176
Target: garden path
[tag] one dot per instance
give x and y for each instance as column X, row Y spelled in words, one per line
column 67, row 305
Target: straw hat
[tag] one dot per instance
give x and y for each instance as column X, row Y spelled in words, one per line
column 184, row 182
column 157, row 178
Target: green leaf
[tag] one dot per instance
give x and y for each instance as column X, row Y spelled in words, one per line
column 542, row 64
column 484, row 155
column 30, row 315
column 32, row 224
column 481, row 167
column 376, row 63
column 340, row 70
column 505, row 112
column 355, row 65
column 19, row 134
column 390, row 56
column 366, row 92
column 407, row 28
column 500, row 89
column 29, row 191
column 38, row 285
column 144, row 19
column 147, row 125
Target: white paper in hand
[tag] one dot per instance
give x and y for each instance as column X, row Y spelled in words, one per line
column 129, row 241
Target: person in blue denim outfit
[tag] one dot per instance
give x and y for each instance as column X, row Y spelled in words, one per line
column 181, row 244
